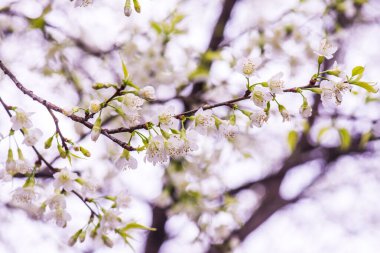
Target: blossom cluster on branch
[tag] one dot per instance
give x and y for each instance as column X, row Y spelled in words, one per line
column 167, row 135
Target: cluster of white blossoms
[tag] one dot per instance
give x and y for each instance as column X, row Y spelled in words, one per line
column 21, row 121
column 167, row 135
column 173, row 140
column 57, row 212
column 331, row 87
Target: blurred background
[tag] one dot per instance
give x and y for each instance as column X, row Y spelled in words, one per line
column 307, row 185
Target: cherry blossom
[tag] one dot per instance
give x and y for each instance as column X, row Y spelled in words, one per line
column 326, row 49
column 65, row 179
column 148, row 93
column 204, row 123
column 248, row 66
column 156, row 151
column 261, row 97
column 258, row 118
column 21, row 120
column 32, row 136
column 276, row 84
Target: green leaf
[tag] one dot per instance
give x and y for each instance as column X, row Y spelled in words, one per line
column 212, row 55
column 364, row 139
column 292, row 139
column 199, row 73
column 315, row 90
column 156, row 26
column 322, row 131
column 365, row 85
column 358, row 70
column 371, row 99
column 177, row 18
column 37, row 23
column 125, row 70
column 134, row 225
column 345, row 138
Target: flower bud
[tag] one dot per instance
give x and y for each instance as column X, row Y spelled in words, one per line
column 84, row 151
column 284, row 113
column 82, row 236
column 95, row 132
column 137, row 6
column 10, row 156
column 127, row 8
column 305, row 110
column 48, row 142
column 107, row 241
column 73, row 239
column 61, row 151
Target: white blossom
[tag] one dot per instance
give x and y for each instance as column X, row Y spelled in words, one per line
column 332, row 91
column 21, row 120
column 123, row 199
column 166, row 118
column 328, row 93
column 156, row 151
column 23, row 166
column 248, row 66
column 126, row 161
column 227, row 130
column 94, row 106
column 326, row 49
column 179, row 145
column 32, row 136
column 24, row 196
column 132, row 102
column 148, row 93
column 258, row 118
column 261, row 97
column 65, row 179
column 5, row 176
column 276, row 84
column 110, row 220
column 60, row 215
column 190, row 141
column 82, row 3
column 204, row 121
column 87, row 188
column 131, row 118
column 56, row 201
column 174, row 146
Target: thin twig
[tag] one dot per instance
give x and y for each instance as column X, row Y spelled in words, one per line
column 58, row 130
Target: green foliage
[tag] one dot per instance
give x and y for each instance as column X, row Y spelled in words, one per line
column 292, row 139
column 345, row 138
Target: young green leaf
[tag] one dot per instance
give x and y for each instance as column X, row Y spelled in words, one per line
column 365, row 85
column 125, row 70
column 292, row 139
column 345, row 138
column 358, row 70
